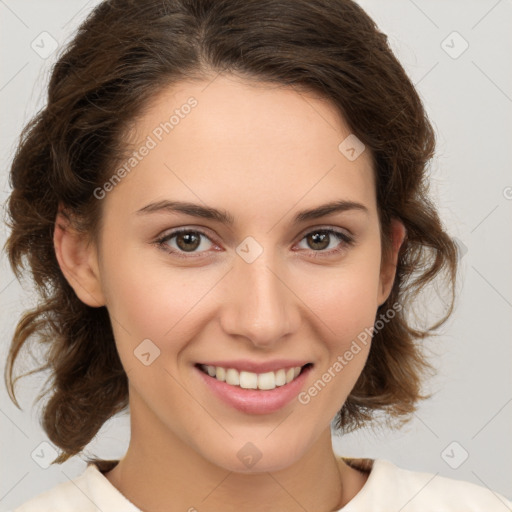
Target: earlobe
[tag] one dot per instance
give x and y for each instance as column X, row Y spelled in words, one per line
column 388, row 267
column 78, row 262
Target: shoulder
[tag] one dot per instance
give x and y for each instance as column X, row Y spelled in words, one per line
column 391, row 487
column 64, row 496
column 89, row 492
column 418, row 489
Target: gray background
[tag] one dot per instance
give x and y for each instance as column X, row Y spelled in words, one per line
column 468, row 96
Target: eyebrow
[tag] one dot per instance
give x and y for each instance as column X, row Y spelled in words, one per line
column 224, row 217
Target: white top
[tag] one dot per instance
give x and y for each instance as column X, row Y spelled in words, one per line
column 388, row 488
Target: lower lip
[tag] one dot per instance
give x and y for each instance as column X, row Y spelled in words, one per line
column 255, row 401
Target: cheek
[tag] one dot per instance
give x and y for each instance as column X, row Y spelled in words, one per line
column 152, row 301
column 344, row 307
column 344, row 298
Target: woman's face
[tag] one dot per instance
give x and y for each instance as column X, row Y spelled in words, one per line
column 268, row 292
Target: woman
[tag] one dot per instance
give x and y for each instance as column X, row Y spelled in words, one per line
column 224, row 207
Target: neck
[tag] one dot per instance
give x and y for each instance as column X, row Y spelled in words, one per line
column 159, row 469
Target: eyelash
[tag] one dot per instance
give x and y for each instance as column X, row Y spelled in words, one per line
column 342, row 237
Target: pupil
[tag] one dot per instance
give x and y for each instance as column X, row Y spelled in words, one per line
column 320, row 238
column 188, row 237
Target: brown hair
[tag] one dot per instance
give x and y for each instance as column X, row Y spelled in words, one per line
column 124, row 53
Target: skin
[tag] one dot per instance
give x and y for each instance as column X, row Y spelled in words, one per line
column 263, row 153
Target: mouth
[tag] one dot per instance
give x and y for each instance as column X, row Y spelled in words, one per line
column 250, row 380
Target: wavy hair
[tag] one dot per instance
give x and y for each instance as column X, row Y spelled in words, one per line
column 122, row 55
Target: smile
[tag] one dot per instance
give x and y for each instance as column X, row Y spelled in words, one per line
column 250, row 380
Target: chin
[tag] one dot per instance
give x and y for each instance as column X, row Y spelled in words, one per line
column 253, row 457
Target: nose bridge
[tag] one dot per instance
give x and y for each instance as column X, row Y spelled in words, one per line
column 261, row 308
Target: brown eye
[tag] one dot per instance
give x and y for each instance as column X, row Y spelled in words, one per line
column 186, row 241
column 319, row 240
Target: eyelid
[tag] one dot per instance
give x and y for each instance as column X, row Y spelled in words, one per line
column 326, row 227
column 346, row 238
column 207, row 232
column 185, row 229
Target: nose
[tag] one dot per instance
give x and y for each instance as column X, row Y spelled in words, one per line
column 260, row 305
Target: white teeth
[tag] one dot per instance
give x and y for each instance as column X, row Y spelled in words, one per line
column 250, row 380
column 280, row 377
column 267, row 380
column 232, row 377
column 220, row 373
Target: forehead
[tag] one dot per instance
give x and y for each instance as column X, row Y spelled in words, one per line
column 243, row 143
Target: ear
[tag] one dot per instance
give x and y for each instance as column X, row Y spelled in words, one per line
column 78, row 260
column 389, row 261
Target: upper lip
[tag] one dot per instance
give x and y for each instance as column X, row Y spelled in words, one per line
column 256, row 367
